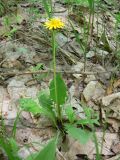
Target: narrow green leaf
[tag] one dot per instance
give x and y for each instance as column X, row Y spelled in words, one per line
column 88, row 112
column 91, row 116
column 44, row 99
column 14, row 129
column 77, row 2
column 14, row 145
column 105, row 41
column 32, row 156
column 91, row 4
column 47, row 7
column 47, row 153
column 87, row 121
column 10, row 148
column 77, row 37
column 117, row 17
column 70, row 114
column 82, row 135
column 61, row 90
column 46, row 105
column 27, row 104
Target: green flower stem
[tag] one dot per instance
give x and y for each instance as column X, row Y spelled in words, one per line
column 58, row 110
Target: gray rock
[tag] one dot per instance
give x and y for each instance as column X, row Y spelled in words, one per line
column 108, row 99
column 90, row 54
column 15, row 50
column 98, row 52
column 93, row 90
column 5, row 105
column 102, row 52
column 16, row 88
column 90, row 78
column 78, row 68
column 61, row 39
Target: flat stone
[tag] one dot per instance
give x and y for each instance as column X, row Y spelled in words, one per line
column 15, row 50
column 78, row 68
column 89, row 148
column 93, row 90
column 16, row 89
column 90, row 78
column 108, row 99
column 90, row 54
column 8, row 112
column 61, row 39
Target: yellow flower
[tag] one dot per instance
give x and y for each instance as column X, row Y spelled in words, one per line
column 54, row 23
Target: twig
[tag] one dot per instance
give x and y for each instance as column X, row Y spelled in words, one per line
column 51, row 71
column 3, row 61
column 117, row 157
column 22, row 125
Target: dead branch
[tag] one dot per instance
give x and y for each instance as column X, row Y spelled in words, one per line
column 51, row 71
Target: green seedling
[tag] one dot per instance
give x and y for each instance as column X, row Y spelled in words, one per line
column 39, row 67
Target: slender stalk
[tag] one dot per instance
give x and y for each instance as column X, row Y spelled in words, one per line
column 58, row 110
column 15, row 125
column 104, row 129
column 116, row 25
column 90, row 29
column 95, row 139
column 98, row 156
column 51, row 7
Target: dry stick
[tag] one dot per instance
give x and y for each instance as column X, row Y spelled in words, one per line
column 26, row 126
column 23, row 125
column 3, row 61
column 51, row 71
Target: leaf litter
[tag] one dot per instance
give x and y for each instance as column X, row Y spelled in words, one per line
column 32, row 47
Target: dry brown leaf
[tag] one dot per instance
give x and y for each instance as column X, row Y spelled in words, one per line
column 116, row 148
column 113, row 84
column 89, row 148
column 114, row 123
column 109, row 89
column 116, row 83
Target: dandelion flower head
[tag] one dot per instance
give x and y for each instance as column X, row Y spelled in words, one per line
column 54, row 23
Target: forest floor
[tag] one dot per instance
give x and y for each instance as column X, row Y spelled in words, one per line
column 25, row 47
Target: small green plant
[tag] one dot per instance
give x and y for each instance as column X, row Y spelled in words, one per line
column 3, row 7
column 77, row 2
column 87, row 28
column 34, row 13
column 52, row 103
column 10, row 147
column 39, row 67
column 9, row 31
column 48, row 7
